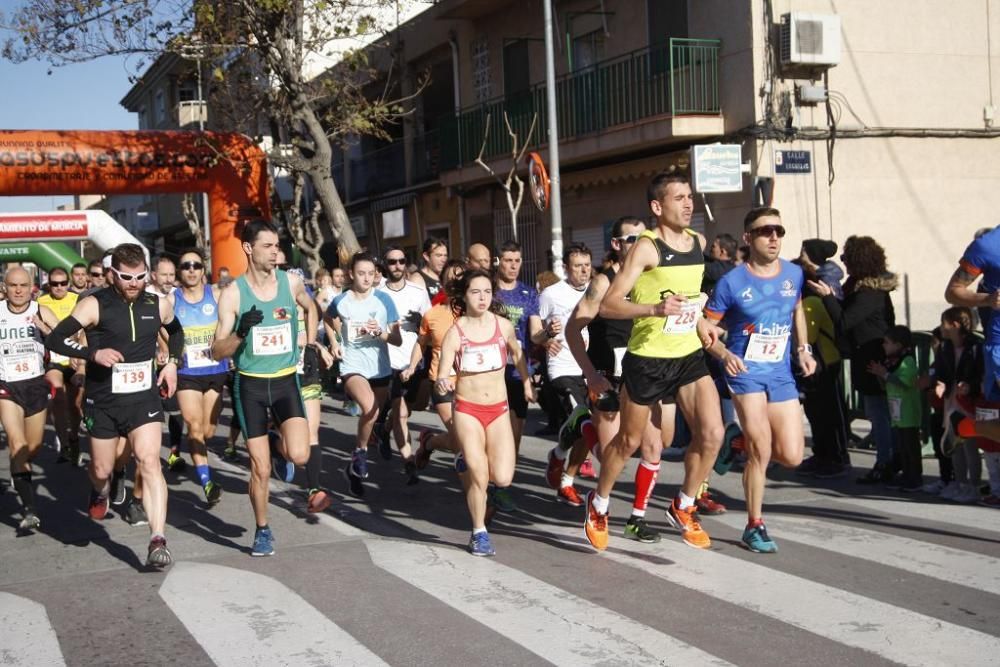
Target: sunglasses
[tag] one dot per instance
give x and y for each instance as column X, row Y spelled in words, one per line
column 768, row 230
column 96, row 275
column 401, row 261
column 58, row 283
column 192, row 266
column 631, row 238
column 129, row 277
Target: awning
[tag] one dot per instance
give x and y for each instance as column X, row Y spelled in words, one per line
column 624, row 171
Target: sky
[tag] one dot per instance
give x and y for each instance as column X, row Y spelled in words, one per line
column 74, row 97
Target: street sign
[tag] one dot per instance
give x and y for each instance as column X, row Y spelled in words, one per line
column 717, row 168
column 792, row 162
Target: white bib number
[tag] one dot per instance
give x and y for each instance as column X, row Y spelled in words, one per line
column 199, row 355
column 684, row 321
column 766, row 349
column 273, row 340
column 987, row 414
column 131, row 378
column 895, row 408
column 357, row 331
column 23, row 362
column 481, row 358
column 619, row 355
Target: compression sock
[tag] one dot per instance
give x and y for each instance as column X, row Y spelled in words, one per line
column 204, row 474
column 22, row 484
column 313, row 466
column 645, row 480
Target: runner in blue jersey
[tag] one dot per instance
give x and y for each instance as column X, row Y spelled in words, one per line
column 760, row 305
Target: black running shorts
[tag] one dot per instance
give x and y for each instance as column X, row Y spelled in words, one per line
column 254, row 397
column 652, row 380
column 516, row 401
column 201, row 383
column 120, row 416
column 32, row 395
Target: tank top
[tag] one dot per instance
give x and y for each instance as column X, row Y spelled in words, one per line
column 481, row 357
column 61, row 308
column 300, row 341
column 22, row 354
column 608, row 340
column 676, row 272
column 270, row 349
column 132, row 329
column 199, row 321
column 433, row 286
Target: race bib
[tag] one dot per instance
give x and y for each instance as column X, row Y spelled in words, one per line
column 273, row 340
column 768, row 349
column 357, row 331
column 199, row 355
column 131, row 378
column 22, row 362
column 684, row 321
column 895, row 408
column 987, row 414
column 619, row 355
column 481, row 358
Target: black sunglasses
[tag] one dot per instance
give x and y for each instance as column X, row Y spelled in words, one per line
column 58, row 283
column 401, row 260
column 197, row 266
column 96, row 275
column 767, row 230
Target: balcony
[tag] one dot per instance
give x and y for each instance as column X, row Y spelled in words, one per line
column 676, row 78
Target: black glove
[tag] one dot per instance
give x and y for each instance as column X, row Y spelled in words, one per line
column 248, row 320
column 413, row 318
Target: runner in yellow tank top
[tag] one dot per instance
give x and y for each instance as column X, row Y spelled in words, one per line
column 64, row 410
column 661, row 276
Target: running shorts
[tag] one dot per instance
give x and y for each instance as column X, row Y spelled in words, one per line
column 201, row 383
column 254, row 398
column 779, row 387
column 652, row 380
column 119, row 417
column 32, row 394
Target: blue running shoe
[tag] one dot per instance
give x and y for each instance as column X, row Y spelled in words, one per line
column 263, row 543
column 480, row 545
column 757, row 540
column 460, row 466
column 282, row 468
column 359, row 463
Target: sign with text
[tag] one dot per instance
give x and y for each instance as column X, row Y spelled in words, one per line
column 717, row 168
column 55, row 226
column 793, row 162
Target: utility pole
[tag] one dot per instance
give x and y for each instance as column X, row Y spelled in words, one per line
column 555, row 203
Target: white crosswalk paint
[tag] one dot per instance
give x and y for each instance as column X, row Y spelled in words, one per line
column 27, row 637
column 243, row 618
column 982, row 518
column 556, row 625
column 854, row 620
column 932, row 560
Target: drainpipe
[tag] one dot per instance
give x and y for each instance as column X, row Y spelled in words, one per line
column 456, row 83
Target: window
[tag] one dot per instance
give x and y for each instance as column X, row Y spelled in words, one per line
column 143, row 118
column 161, row 106
column 187, row 93
column 588, row 50
column 667, row 18
column 481, row 82
column 516, row 71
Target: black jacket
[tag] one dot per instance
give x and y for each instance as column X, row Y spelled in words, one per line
column 968, row 369
column 862, row 319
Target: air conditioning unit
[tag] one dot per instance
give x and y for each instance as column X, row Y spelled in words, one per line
column 810, row 39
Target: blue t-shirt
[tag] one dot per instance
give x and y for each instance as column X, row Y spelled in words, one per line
column 520, row 304
column 363, row 354
column 982, row 257
column 761, row 311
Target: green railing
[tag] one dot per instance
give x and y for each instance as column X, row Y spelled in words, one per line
column 674, row 78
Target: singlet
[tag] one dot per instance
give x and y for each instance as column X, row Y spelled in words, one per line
column 270, row 348
column 676, row 272
column 481, row 357
column 132, row 329
column 61, row 308
column 199, row 321
column 608, row 340
column 433, row 285
column 520, row 304
column 22, row 354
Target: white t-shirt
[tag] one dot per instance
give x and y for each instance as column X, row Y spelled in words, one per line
column 411, row 298
column 559, row 300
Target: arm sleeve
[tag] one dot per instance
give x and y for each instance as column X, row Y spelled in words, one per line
column 175, row 340
column 61, row 340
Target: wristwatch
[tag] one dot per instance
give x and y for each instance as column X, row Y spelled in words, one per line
column 806, row 347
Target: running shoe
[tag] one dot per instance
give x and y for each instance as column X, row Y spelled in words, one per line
column 213, row 493
column 159, row 554
column 504, row 500
column 757, row 540
column 831, row 470
column 410, row 469
column 687, row 523
column 175, row 463
column 949, row 490
column 282, row 469
column 991, row 500
column 423, row 454
column 481, row 545
column 568, row 495
column 355, row 486
column 319, row 501
column 708, row 506
column 352, row 408
column 229, row 453
column 572, row 429
column 934, row 487
column 727, row 452
column 968, row 494
column 263, row 543
column 98, row 506
column 808, row 467
column 554, row 470
column 29, row 522
column 595, row 526
column 359, row 463
column 637, row 529
column 382, row 435
column 135, row 514
column 460, row 468
column 118, row 490
column 70, row 454
column 587, row 469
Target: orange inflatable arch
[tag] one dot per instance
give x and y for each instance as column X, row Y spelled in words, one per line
column 229, row 167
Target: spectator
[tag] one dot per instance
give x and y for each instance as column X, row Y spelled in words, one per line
column 815, row 260
column 928, row 383
column 899, row 374
column 719, row 261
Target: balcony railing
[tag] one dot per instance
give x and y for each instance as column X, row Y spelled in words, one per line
column 679, row 77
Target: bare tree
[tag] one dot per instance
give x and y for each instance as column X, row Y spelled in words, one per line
column 190, row 211
column 512, row 182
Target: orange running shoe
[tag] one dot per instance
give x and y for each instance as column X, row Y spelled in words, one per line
column 686, row 522
column 568, row 495
column 596, row 526
column 319, row 501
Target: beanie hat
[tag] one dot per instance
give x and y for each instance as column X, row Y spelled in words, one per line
column 819, row 250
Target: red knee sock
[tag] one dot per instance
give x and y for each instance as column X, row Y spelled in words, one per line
column 645, row 480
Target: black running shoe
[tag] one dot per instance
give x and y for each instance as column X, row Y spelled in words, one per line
column 383, row 434
column 410, row 468
column 637, row 529
column 118, row 491
column 354, row 484
column 135, row 514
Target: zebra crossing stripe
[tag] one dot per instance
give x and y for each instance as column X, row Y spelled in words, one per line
column 891, row 632
column 926, row 558
column 242, row 618
column 981, row 518
column 27, row 638
column 550, row 622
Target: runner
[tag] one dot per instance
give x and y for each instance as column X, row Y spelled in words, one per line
column 123, row 397
column 760, row 304
column 478, row 256
column 477, row 346
column 258, row 329
column 659, row 288
column 201, row 378
column 24, row 392
column 78, row 278
column 161, row 284
column 435, row 257
column 367, row 323
column 60, row 372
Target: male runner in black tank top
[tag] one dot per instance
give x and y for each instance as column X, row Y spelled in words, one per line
column 435, row 257
column 123, row 395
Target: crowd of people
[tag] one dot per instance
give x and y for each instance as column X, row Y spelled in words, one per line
column 721, row 351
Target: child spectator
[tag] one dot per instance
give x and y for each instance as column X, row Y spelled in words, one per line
column 929, row 385
column 899, row 373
